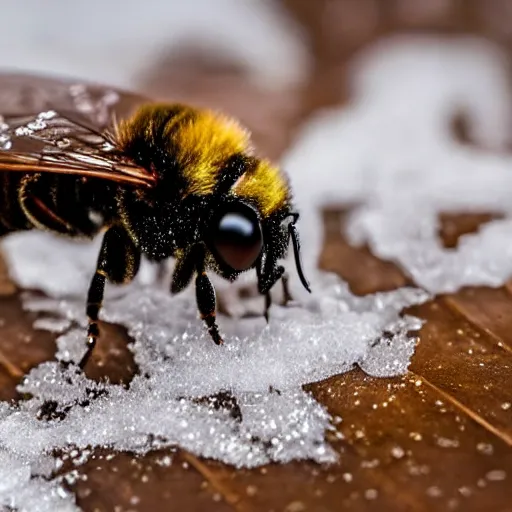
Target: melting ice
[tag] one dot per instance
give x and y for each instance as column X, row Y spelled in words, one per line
column 392, row 153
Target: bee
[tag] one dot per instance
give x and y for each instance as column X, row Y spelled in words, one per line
column 159, row 180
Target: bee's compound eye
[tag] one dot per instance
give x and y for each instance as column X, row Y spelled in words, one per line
column 238, row 240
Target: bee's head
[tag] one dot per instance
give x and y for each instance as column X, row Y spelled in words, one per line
column 235, row 238
column 239, row 239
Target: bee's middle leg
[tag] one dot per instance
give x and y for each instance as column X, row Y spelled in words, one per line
column 118, row 262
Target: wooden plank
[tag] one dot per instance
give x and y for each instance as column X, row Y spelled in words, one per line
column 488, row 309
column 444, row 462
column 403, row 449
column 107, row 481
column 454, row 225
column 437, row 439
column 467, row 366
column 443, row 366
column 304, row 486
column 21, row 347
column 160, row 481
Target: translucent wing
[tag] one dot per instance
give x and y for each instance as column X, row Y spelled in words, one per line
column 66, row 143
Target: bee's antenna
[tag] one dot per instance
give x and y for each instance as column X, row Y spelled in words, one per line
column 292, row 229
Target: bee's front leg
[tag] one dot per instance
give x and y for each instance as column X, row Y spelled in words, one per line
column 265, row 284
column 187, row 264
column 94, row 303
column 206, row 303
column 118, row 262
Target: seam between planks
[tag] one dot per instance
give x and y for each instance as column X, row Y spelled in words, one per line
column 12, row 369
column 379, row 475
column 452, row 307
column 466, row 410
column 455, row 309
column 232, row 498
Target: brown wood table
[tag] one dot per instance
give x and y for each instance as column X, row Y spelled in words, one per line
column 438, row 438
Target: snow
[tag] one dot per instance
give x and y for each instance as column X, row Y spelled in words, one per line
column 129, row 37
column 391, row 152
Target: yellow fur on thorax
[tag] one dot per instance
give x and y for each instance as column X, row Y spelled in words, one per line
column 145, row 122
column 265, row 185
column 203, row 145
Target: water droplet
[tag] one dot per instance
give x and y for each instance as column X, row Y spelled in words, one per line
column 465, row 491
column 496, row 475
column 371, row 494
column 444, row 442
column 295, row 506
column 251, row 490
column 485, row 448
column 434, row 492
column 397, row 452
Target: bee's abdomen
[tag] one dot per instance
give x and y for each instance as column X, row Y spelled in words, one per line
column 61, row 204
column 12, row 217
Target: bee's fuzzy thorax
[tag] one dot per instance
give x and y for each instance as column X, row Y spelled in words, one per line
column 201, row 143
column 203, row 146
column 265, row 185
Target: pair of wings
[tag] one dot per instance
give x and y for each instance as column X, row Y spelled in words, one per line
column 64, row 143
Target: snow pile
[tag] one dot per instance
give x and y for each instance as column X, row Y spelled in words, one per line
column 393, row 153
column 241, row 403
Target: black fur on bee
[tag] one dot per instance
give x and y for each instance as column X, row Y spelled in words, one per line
column 168, row 181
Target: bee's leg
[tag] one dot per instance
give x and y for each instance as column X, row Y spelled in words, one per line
column 205, row 296
column 266, row 282
column 119, row 262
column 268, row 303
column 287, row 296
column 94, row 303
column 186, row 266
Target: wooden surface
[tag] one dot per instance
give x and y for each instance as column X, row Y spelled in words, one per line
column 438, row 438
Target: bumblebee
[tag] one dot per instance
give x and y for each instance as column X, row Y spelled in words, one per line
column 165, row 180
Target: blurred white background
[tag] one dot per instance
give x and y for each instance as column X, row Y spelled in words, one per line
column 115, row 41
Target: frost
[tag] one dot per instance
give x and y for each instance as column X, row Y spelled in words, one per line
column 243, row 403
column 22, row 489
column 393, row 154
